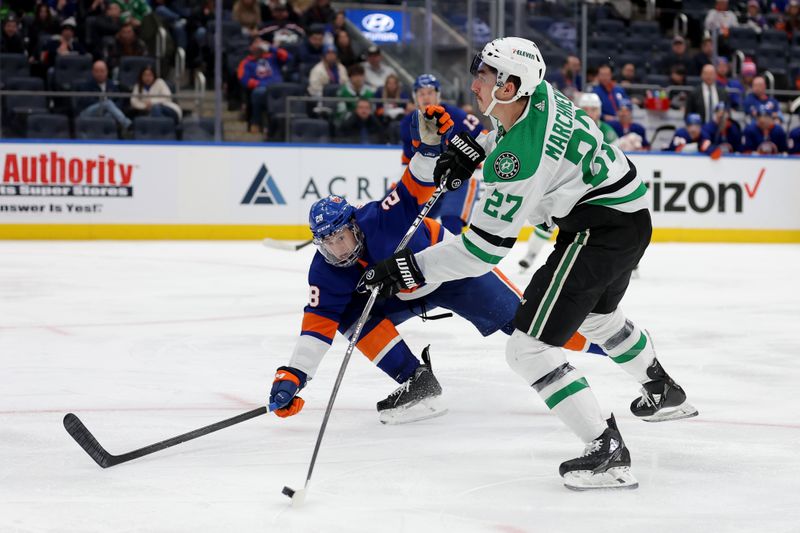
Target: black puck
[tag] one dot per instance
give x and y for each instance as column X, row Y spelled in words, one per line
column 287, row 491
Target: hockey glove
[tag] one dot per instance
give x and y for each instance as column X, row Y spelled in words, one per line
column 392, row 275
column 430, row 130
column 457, row 164
column 288, row 382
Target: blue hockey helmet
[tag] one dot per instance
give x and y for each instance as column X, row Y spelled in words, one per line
column 330, row 219
column 427, row 80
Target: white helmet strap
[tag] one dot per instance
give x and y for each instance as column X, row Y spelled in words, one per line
column 495, row 101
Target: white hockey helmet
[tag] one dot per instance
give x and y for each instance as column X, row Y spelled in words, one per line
column 590, row 100
column 512, row 56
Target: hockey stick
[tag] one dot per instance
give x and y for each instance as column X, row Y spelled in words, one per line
column 283, row 245
column 299, row 496
column 86, row 440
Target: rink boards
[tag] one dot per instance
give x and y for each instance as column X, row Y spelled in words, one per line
column 77, row 190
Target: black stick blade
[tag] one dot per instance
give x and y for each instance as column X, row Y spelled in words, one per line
column 86, row 440
column 288, row 492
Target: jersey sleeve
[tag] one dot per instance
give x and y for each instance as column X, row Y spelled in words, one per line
column 405, row 137
column 329, row 295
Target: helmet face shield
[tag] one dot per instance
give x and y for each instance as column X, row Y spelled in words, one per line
column 476, row 64
column 343, row 247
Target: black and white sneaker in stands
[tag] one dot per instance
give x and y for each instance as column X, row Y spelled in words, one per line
column 605, row 464
column 662, row 399
column 419, row 398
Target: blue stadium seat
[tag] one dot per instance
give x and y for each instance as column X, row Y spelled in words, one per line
column 644, row 28
column 25, row 104
column 276, row 97
column 154, row 129
column 103, row 128
column 129, row 69
column 48, row 126
column 774, row 38
column 609, row 27
column 198, row 129
column 13, row 66
column 70, row 71
column 310, row 130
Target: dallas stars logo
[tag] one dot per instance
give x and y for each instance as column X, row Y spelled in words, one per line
column 506, row 166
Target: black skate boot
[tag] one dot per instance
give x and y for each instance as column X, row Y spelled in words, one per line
column 605, row 464
column 662, row 399
column 419, row 398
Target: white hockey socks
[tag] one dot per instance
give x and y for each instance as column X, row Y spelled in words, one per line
column 622, row 340
column 563, row 388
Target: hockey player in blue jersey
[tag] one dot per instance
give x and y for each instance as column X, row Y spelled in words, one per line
column 721, row 135
column 455, row 208
column 350, row 240
column 687, row 139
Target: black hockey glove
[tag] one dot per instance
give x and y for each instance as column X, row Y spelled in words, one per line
column 457, row 164
column 393, row 275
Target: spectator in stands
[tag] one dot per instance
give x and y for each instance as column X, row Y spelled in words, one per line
column 126, row 44
column 722, row 135
column 11, row 41
column 260, row 69
column 392, row 89
column 632, row 135
column 173, row 17
column 90, row 8
column 707, row 95
column 355, row 88
column 106, row 25
column 764, row 135
column 310, row 52
column 568, row 78
column 734, row 87
column 329, row 70
column 133, row 11
column 609, row 92
column 794, row 141
column 792, row 18
column 102, row 106
column 248, row 14
column 678, row 56
column 677, row 97
column 281, row 29
column 754, row 19
column 151, row 96
column 269, row 7
column 748, row 74
column 720, row 19
column 320, row 12
column 687, row 139
column 44, row 23
column 64, row 9
column 590, row 103
column 704, row 56
column 375, row 72
column 362, row 126
column 759, row 97
column 65, row 44
column 344, row 48
column 627, row 78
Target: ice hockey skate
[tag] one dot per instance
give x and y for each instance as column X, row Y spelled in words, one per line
column 605, row 464
column 662, row 399
column 419, row 398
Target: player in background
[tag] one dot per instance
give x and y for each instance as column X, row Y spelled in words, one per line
column 455, row 208
column 688, row 139
column 548, row 164
column 764, row 135
column 541, row 234
column 721, row 135
column 349, row 240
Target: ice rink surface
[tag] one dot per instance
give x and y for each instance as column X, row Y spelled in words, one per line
column 144, row 341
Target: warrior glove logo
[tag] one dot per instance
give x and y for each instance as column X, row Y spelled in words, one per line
column 506, row 166
column 466, row 149
column 405, row 273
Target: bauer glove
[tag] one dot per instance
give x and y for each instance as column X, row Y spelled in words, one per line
column 430, row 130
column 457, row 164
column 392, row 275
column 288, row 382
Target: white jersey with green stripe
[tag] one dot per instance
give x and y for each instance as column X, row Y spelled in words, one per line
column 552, row 159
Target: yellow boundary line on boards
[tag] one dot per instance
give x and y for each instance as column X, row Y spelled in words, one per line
column 252, row 232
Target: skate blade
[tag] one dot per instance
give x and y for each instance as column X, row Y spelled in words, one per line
column 614, row 478
column 684, row 410
column 416, row 412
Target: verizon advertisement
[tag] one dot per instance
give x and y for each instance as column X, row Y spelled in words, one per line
column 57, row 185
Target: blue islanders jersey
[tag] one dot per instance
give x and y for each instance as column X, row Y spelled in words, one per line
column 681, row 139
column 728, row 138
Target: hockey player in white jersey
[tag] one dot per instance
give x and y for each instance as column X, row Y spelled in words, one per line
column 547, row 164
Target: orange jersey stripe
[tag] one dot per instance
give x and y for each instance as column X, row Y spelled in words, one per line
column 319, row 324
column 577, row 342
column 433, row 228
column 376, row 340
column 507, row 281
column 473, row 188
column 421, row 192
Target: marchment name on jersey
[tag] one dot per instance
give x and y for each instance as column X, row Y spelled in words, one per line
column 562, row 127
